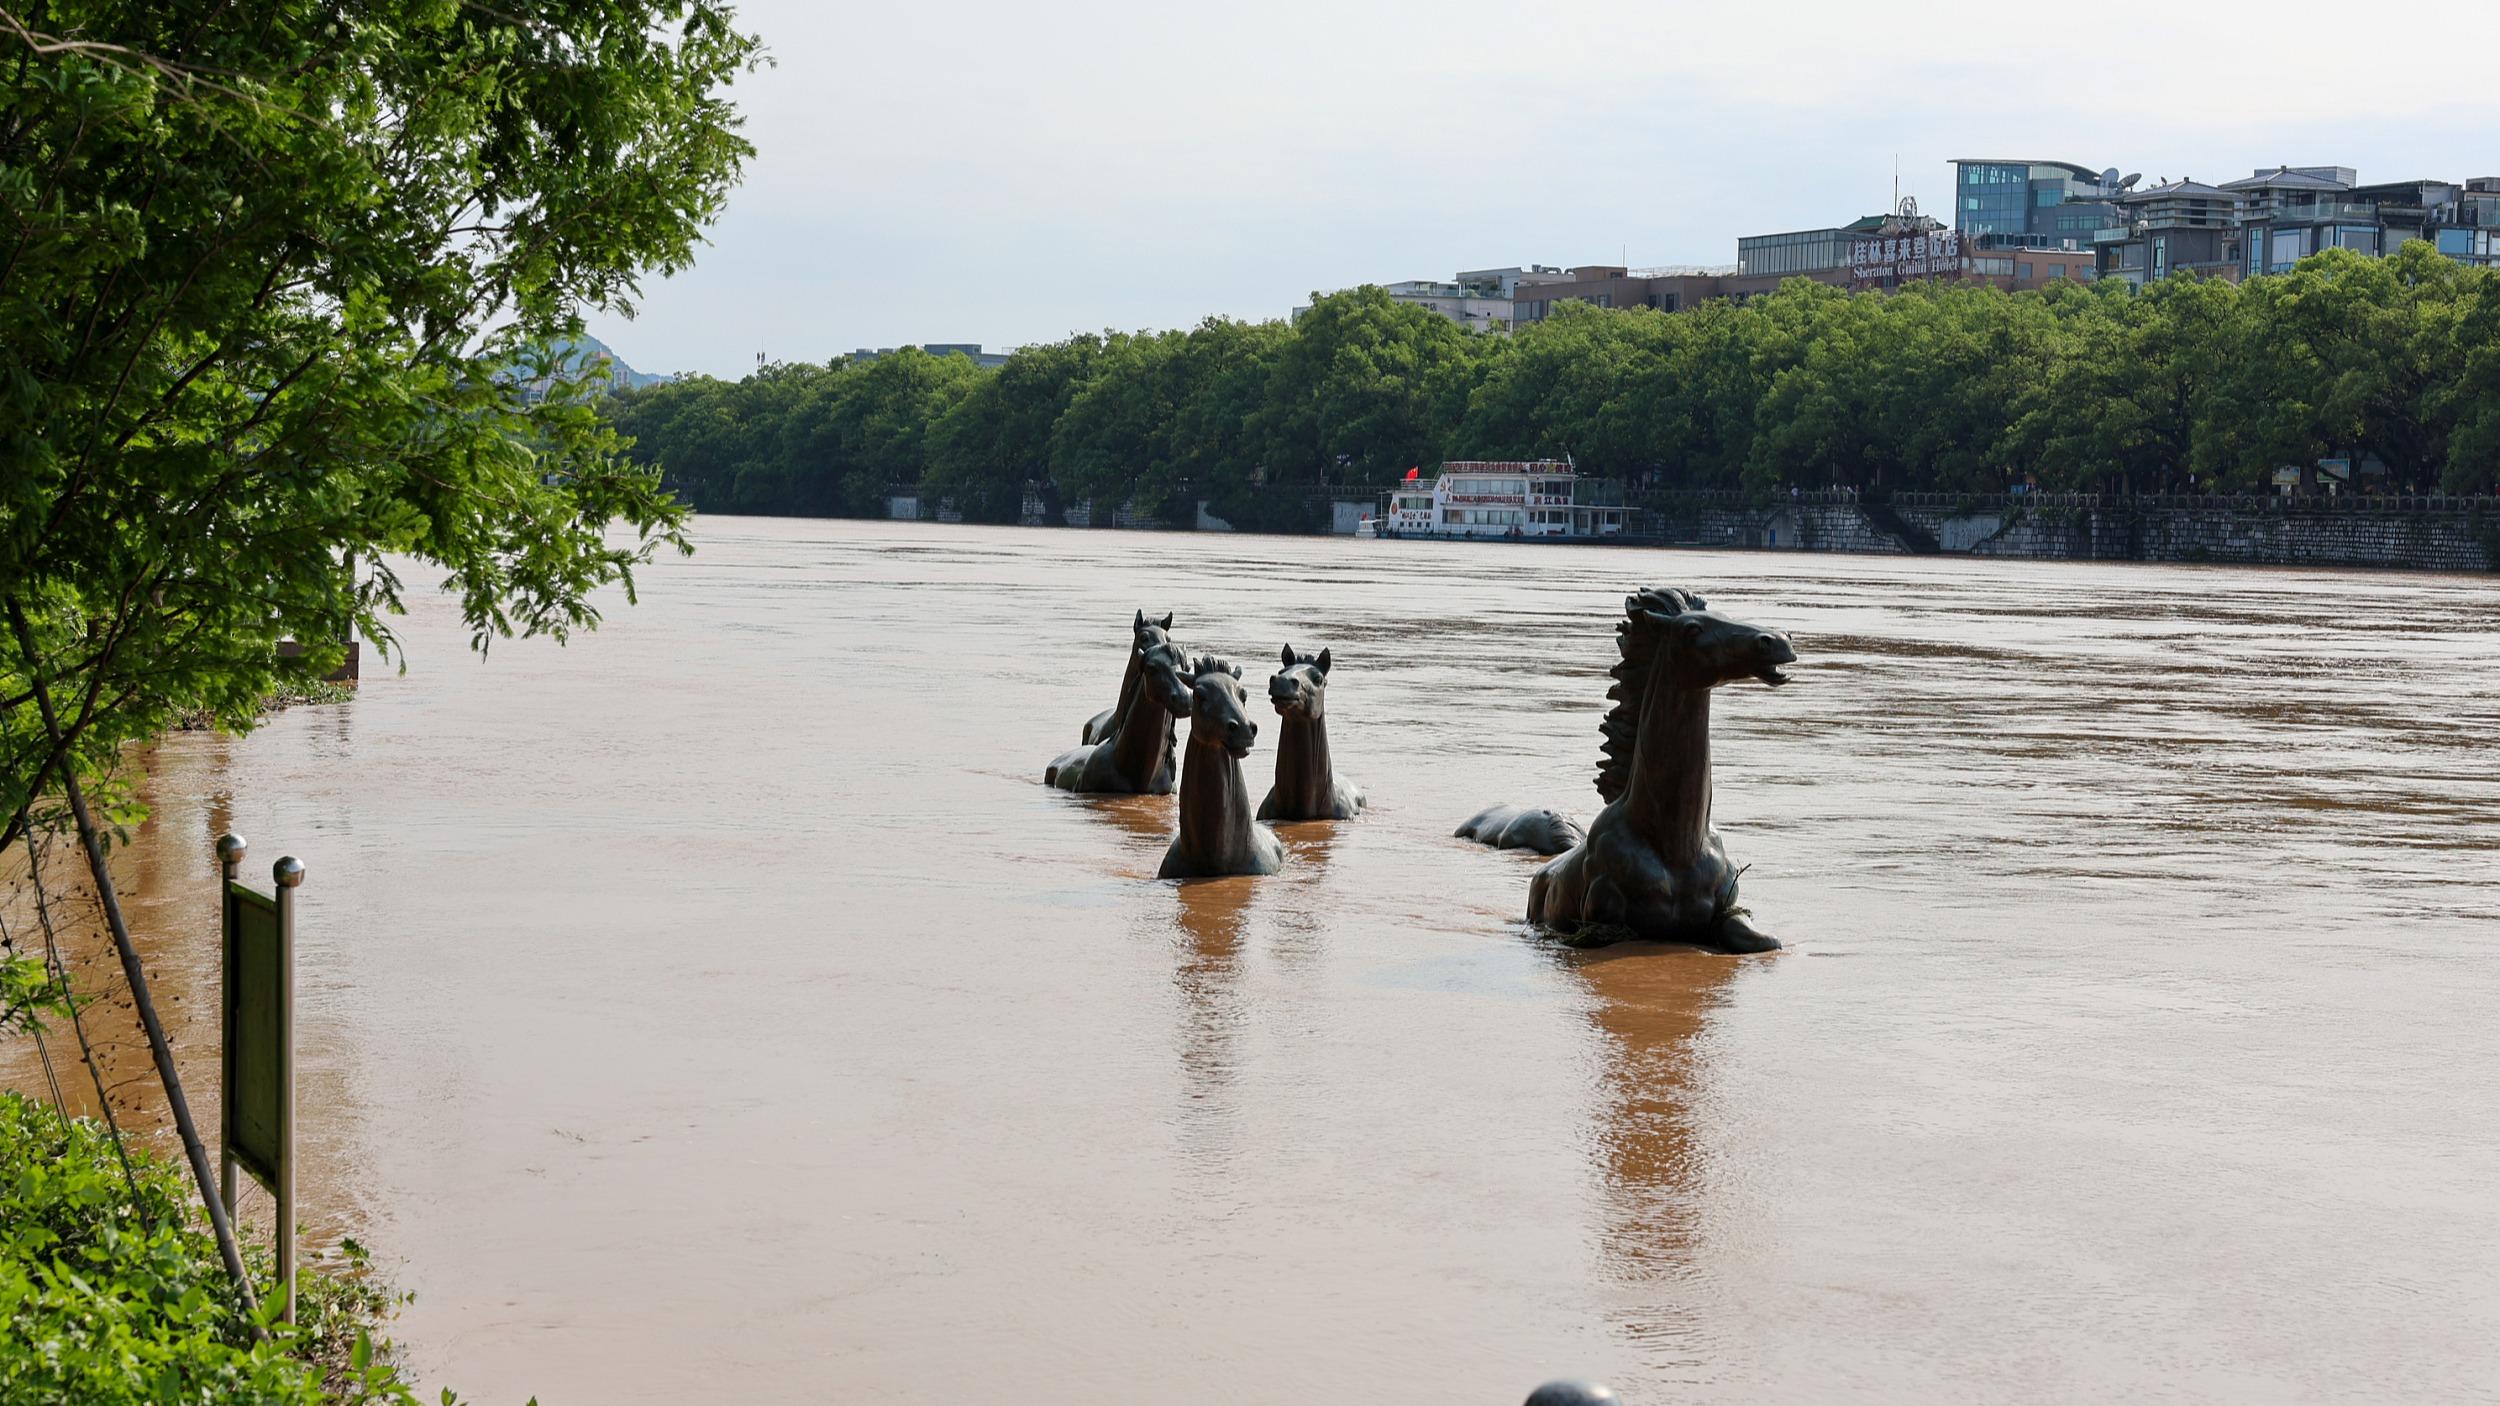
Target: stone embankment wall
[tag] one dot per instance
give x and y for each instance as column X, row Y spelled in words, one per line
column 2435, row 534
column 2411, row 534
column 2409, row 540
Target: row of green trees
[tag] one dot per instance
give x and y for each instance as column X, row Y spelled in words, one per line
column 2186, row 385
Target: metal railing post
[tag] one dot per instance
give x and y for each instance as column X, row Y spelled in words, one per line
column 289, row 874
column 230, row 851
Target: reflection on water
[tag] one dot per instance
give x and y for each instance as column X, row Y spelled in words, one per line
column 1207, row 957
column 720, row 1009
column 1651, row 1003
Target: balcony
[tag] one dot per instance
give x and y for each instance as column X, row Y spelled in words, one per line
column 2327, row 212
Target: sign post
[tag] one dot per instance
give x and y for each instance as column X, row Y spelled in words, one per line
column 256, row 1120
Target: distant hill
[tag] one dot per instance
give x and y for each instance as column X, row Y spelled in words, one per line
column 620, row 375
column 585, row 354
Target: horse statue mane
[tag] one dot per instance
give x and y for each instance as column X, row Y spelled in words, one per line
column 1202, row 665
column 1637, row 637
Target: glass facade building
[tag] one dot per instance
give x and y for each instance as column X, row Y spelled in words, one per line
column 1801, row 251
column 2031, row 204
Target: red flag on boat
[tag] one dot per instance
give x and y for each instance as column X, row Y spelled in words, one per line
column 1414, row 473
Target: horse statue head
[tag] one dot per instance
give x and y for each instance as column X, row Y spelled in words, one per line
column 1300, row 689
column 1217, row 833
column 1670, row 638
column 1145, row 633
column 1307, row 784
column 1164, row 676
column 1217, row 708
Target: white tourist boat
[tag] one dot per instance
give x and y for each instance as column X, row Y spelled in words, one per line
column 1505, row 498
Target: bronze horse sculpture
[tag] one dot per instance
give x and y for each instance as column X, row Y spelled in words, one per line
column 1218, row 834
column 1651, row 866
column 1136, row 759
column 1307, row 784
column 1146, row 633
column 1518, row 827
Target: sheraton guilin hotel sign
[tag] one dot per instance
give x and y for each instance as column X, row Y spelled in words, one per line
column 1897, row 256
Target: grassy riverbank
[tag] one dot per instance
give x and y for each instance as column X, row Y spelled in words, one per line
column 111, row 1292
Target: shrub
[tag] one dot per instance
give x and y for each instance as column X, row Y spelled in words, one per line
column 110, row 1293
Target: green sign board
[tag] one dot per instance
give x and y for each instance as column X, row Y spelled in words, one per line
column 257, row 1048
column 258, row 1061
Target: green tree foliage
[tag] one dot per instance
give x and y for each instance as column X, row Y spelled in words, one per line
column 1612, row 390
column 2184, row 385
column 274, row 281
column 2120, row 406
column 1362, row 391
column 2474, row 399
column 1166, row 412
column 997, row 439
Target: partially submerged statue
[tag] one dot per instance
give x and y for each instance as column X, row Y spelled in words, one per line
column 1218, row 834
column 1137, row 758
column 1651, row 864
column 1517, row 827
column 1307, row 785
column 1146, row 633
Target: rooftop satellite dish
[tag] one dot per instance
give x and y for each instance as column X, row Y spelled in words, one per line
column 2129, row 182
column 2110, row 176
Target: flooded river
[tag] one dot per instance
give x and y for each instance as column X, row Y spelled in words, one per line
column 719, row 1009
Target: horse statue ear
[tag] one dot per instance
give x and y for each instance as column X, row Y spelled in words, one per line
column 1323, row 661
column 1141, row 621
column 1234, row 669
column 1166, row 622
column 1288, row 656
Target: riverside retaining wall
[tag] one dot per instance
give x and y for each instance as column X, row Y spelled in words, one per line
column 2410, row 534
column 2417, row 534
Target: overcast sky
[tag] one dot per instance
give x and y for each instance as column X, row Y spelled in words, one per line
column 949, row 171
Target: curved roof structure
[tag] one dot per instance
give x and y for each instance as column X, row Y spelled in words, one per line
column 2086, row 173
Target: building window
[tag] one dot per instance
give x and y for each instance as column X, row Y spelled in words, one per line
column 2057, row 270
column 2023, row 270
column 2161, row 258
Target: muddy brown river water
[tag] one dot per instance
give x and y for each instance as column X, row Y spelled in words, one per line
column 719, row 1009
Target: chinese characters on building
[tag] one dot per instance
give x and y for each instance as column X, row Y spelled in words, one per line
column 1906, row 256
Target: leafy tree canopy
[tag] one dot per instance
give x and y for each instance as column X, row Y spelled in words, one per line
column 273, row 281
